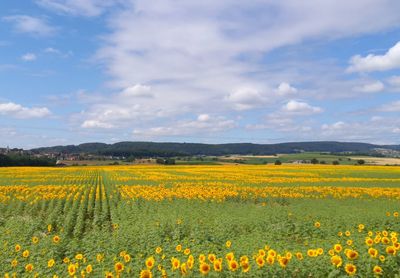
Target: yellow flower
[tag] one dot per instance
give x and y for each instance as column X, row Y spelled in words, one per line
column 347, row 233
column 391, row 250
column 158, row 250
column 89, row 268
column 228, row 244
column 369, row 241
column 373, row 252
column 50, row 263
column 283, row 262
column 56, row 239
column 29, row 267
column 377, row 270
column 230, row 256
column 352, row 255
column 17, row 248
column 49, row 228
column 99, row 257
column 178, row 248
column 336, row 261
column 233, row 265
column 175, row 263
column 299, row 256
column 119, row 267
column 25, row 254
column 245, row 266
column 204, row 268
column 317, row 224
column 218, row 265
column 71, row 269
column 211, row 257
column 66, row 260
column 183, row 269
column 79, row 256
column 361, row 226
column 14, row 263
column 145, row 273
column 350, row 269
column 35, row 240
column 338, row 248
column 150, row 262
column 382, row 258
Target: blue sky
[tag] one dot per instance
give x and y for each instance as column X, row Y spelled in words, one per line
column 262, row 71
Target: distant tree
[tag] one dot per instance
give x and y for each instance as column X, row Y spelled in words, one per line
column 322, row 162
column 361, row 162
column 314, row 161
column 278, row 162
column 335, row 162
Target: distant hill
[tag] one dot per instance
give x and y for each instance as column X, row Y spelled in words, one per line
column 185, row 149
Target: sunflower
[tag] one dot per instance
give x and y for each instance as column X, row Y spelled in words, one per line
column 66, row 260
column 175, row 263
column 228, row 244
column 377, row 270
column 186, row 251
column 79, row 256
column 245, row 267
column 145, row 273
column 183, row 269
column 35, row 240
column 119, row 267
column 320, row 251
column 204, row 268
column 283, row 262
column 369, row 241
column 260, row 261
column 299, row 256
column 391, row 250
column 395, row 214
column 150, row 262
column 261, row 252
column 336, row 261
column 99, row 257
column 14, row 263
column 373, row 252
column 270, row 260
column 230, row 256
column 350, row 269
column 109, row 275
column 127, row 258
column 317, row 224
column 89, row 268
column 158, row 250
column 272, row 253
column 218, row 265
column 49, row 228
column 56, row 239
column 382, row 258
column 17, row 248
column 29, row 267
column 244, row 259
column 331, row 252
column 25, row 254
column 178, row 248
column 72, row 269
column 352, row 255
column 361, row 227
column 233, row 265
column 340, row 234
column 189, row 264
column 211, row 257
column 347, row 233
column 50, row 263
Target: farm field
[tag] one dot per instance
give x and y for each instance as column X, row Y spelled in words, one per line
column 203, row 220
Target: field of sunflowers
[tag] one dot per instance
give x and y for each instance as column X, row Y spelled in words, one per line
column 215, row 221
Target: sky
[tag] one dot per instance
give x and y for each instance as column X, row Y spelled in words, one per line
column 261, row 71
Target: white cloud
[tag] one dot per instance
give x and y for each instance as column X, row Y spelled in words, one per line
column 28, row 57
column 245, row 98
column 95, row 124
column 52, row 50
column 285, row 89
column 137, row 90
column 396, row 130
column 19, row 111
column 30, row 25
column 373, row 87
column 389, row 60
column 203, row 118
column 301, row 108
column 334, row 126
column 77, row 7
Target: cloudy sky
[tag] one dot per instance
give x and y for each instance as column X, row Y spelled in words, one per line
column 261, row 71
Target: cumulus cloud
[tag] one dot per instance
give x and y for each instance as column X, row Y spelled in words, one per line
column 77, row 7
column 28, row 57
column 96, row 124
column 389, row 60
column 245, row 98
column 374, row 87
column 18, row 111
column 301, row 108
column 285, row 89
column 137, row 90
column 30, row 25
